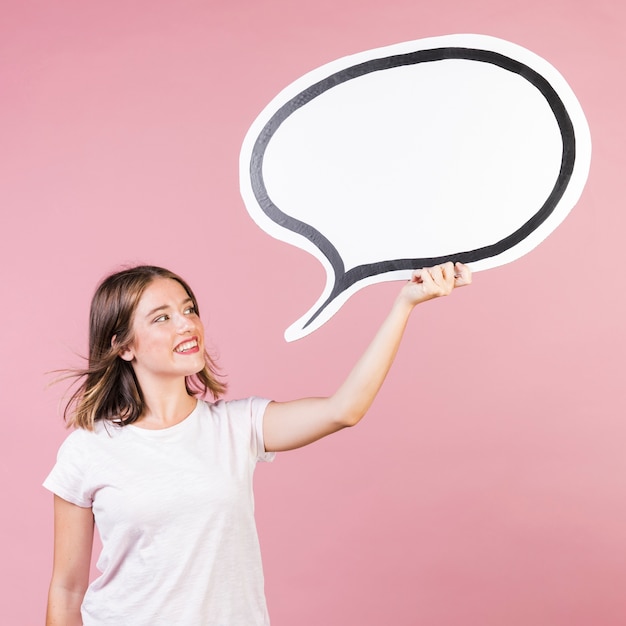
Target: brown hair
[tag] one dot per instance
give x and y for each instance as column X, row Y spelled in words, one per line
column 109, row 389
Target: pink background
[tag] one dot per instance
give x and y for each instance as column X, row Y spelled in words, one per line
column 488, row 484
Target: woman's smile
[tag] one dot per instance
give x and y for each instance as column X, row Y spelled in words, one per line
column 188, row 347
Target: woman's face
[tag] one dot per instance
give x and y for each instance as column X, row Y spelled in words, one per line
column 168, row 336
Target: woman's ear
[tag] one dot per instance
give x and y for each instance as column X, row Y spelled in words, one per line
column 126, row 353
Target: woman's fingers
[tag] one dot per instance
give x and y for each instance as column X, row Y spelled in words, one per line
column 462, row 275
column 437, row 281
column 443, row 278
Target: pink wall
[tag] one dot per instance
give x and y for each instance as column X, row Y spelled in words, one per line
column 488, row 484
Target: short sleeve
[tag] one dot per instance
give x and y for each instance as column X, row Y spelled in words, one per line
column 248, row 413
column 68, row 478
column 258, row 406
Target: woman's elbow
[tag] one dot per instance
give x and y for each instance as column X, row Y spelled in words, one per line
column 348, row 419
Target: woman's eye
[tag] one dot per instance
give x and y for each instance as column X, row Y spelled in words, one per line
column 162, row 318
column 190, row 310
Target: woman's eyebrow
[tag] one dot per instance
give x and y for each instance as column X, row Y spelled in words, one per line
column 157, row 309
column 163, row 307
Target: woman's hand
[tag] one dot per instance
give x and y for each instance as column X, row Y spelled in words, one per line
column 434, row 282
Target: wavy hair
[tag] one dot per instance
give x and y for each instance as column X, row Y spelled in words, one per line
column 108, row 388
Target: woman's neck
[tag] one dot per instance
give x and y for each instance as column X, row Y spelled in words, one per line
column 165, row 405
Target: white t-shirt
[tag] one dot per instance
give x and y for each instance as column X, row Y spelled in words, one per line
column 175, row 513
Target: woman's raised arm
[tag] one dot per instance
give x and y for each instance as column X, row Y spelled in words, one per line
column 289, row 425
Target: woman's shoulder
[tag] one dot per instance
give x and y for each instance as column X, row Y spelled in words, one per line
column 81, row 437
column 248, row 406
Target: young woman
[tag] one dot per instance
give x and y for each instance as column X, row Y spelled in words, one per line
column 166, row 475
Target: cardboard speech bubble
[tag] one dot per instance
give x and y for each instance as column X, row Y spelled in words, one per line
column 463, row 147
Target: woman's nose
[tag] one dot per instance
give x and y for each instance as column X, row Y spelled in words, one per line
column 184, row 324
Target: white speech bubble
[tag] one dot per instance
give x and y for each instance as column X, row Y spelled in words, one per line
column 464, row 147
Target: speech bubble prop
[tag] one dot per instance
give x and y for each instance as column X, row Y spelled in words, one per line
column 458, row 148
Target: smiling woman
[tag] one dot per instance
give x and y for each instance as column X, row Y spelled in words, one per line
column 165, row 474
column 167, row 345
column 120, row 314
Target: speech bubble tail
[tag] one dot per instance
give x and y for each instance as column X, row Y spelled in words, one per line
column 314, row 318
column 326, row 306
column 333, row 298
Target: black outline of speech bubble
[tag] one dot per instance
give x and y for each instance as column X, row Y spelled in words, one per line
column 343, row 279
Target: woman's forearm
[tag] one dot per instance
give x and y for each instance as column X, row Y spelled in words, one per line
column 64, row 606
